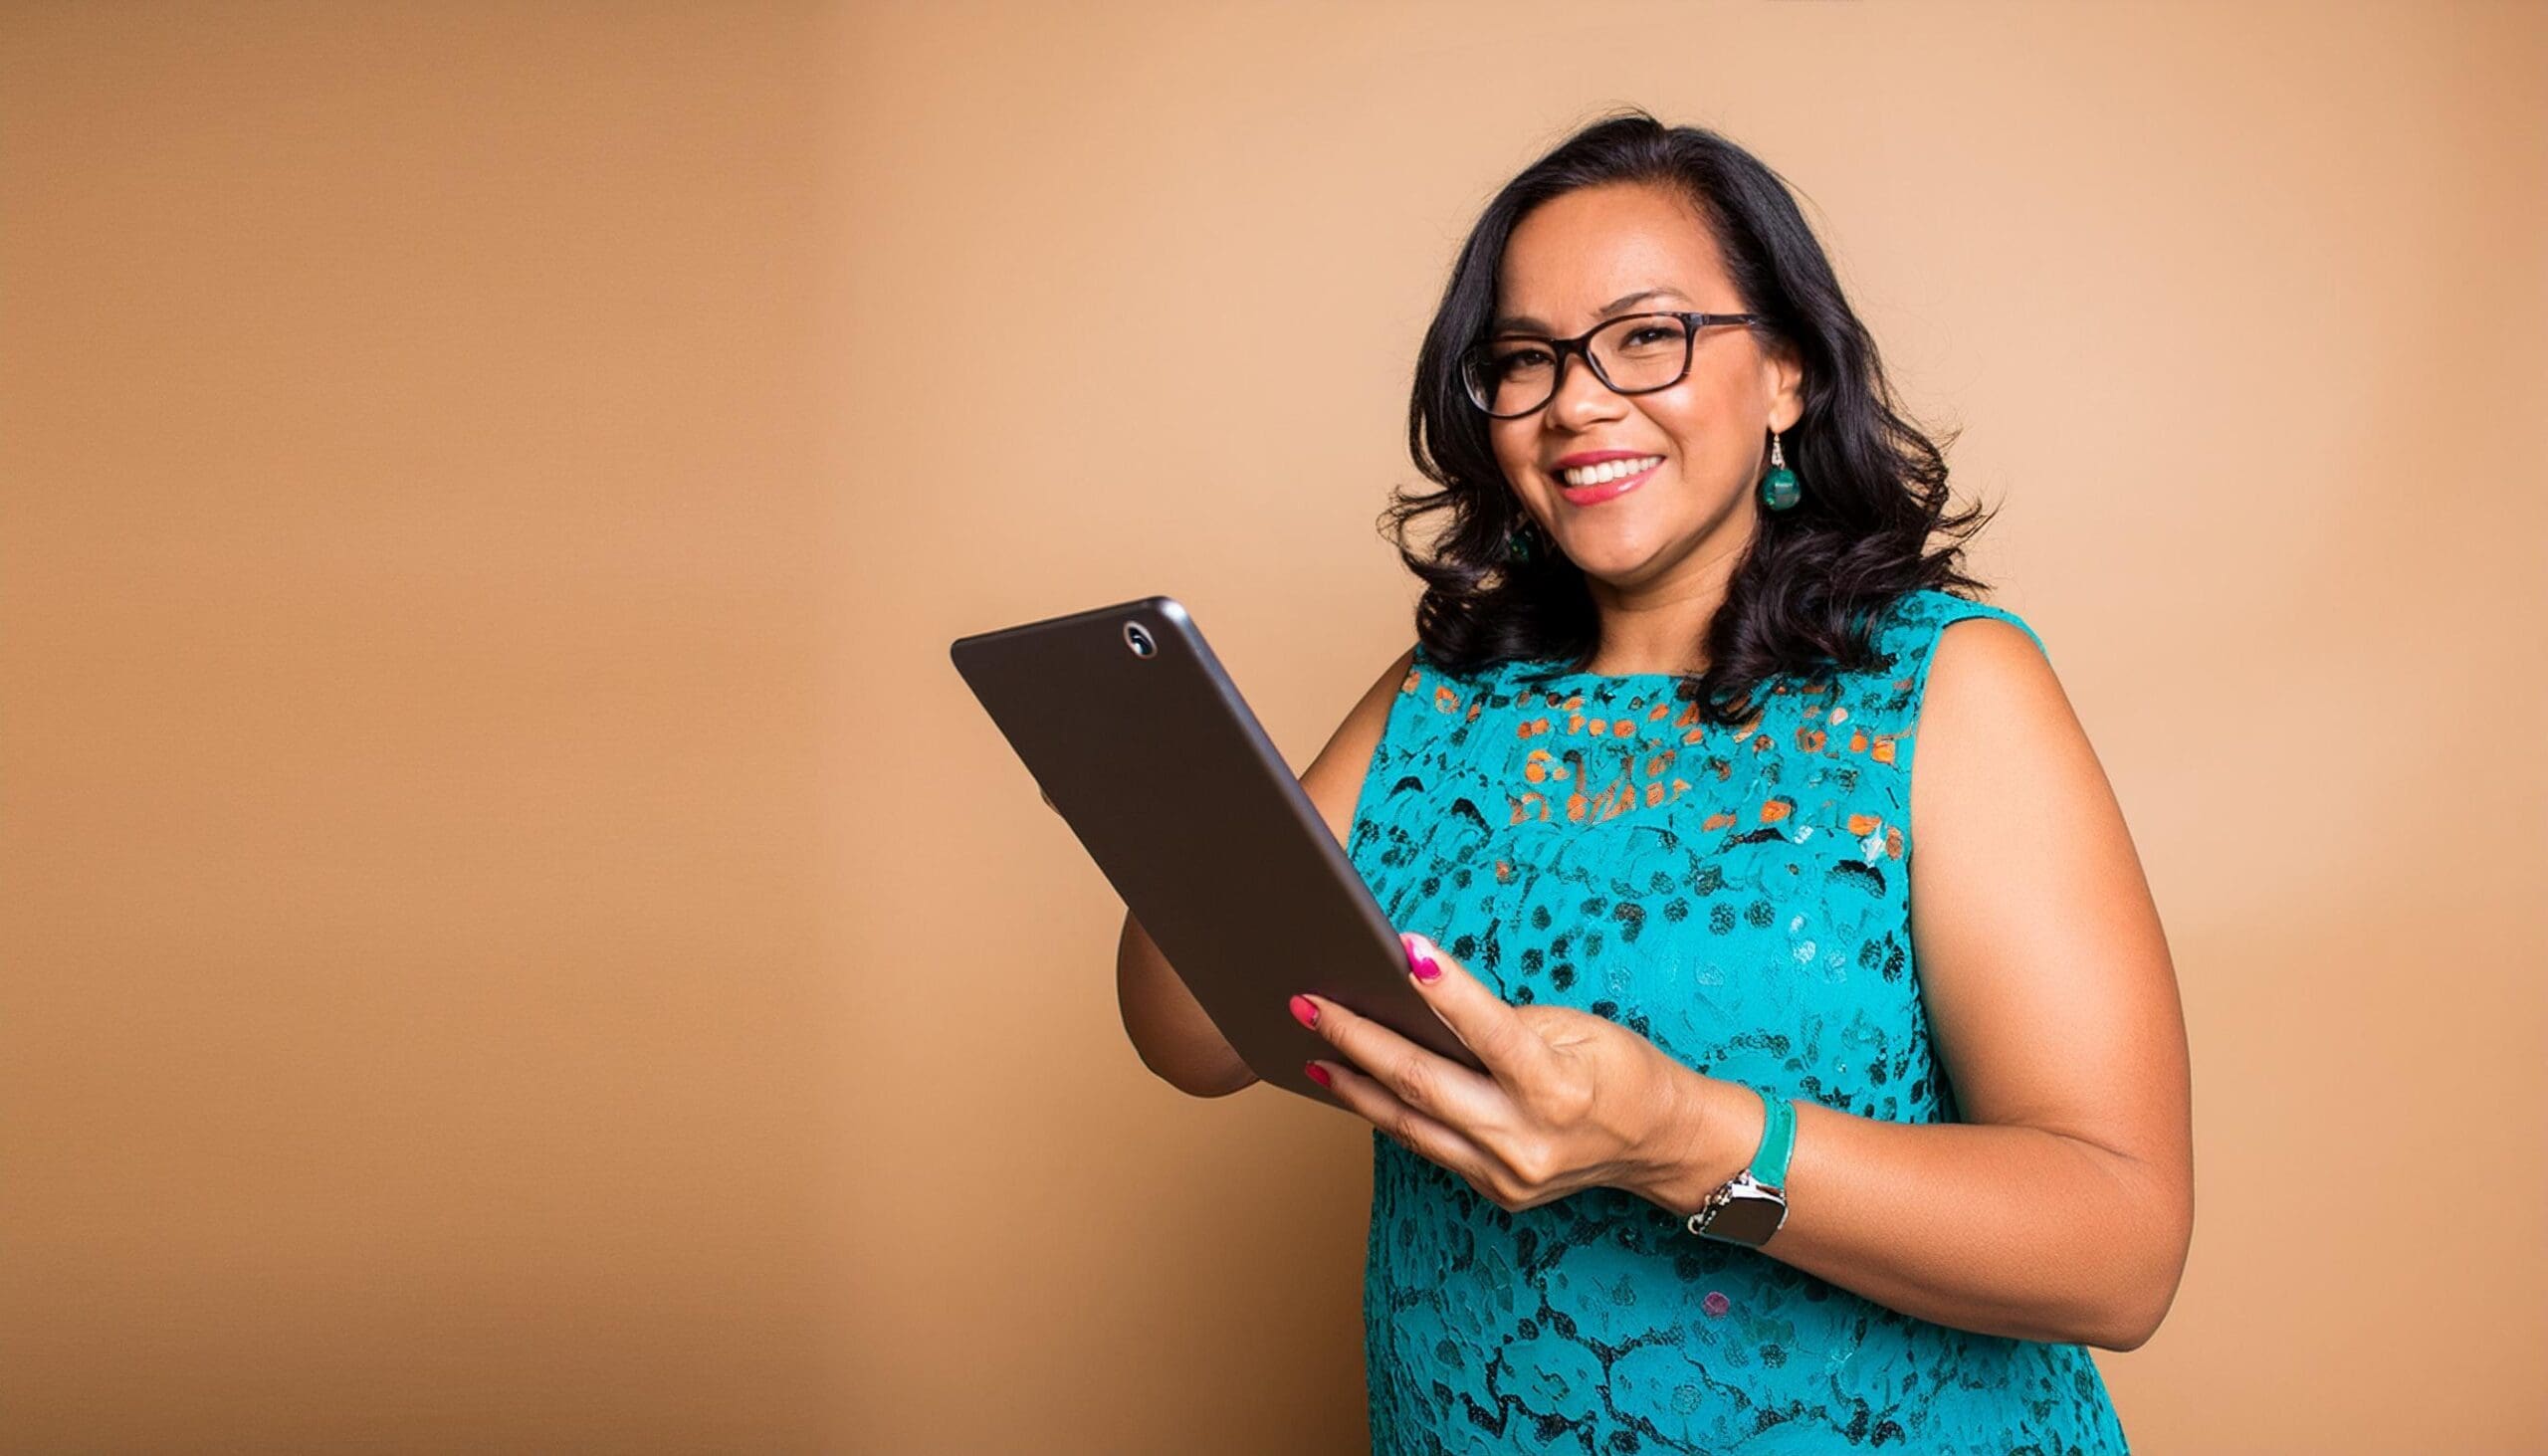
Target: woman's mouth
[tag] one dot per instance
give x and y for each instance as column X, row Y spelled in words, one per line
column 1593, row 484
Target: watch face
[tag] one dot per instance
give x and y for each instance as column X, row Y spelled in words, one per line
column 1747, row 1220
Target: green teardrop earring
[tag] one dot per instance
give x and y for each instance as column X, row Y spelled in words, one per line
column 1778, row 489
column 1517, row 543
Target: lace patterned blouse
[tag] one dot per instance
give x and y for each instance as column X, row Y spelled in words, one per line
column 1739, row 897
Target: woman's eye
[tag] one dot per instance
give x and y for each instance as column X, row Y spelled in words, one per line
column 1520, row 359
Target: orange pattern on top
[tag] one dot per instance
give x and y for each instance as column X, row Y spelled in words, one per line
column 1546, row 767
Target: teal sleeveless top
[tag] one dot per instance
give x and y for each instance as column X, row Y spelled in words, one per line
column 1739, row 896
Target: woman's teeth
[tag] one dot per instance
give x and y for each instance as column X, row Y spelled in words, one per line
column 1608, row 470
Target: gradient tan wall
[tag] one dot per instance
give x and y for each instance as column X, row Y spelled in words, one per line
column 516, row 939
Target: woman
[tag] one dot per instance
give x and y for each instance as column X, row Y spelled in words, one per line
column 1793, row 1141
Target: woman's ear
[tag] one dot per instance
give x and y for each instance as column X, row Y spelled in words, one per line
column 1784, row 366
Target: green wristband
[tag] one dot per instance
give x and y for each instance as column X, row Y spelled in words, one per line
column 1778, row 1139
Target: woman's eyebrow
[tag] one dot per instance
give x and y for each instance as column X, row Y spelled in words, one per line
column 1524, row 322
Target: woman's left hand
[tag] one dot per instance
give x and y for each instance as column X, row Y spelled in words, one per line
column 1574, row 1101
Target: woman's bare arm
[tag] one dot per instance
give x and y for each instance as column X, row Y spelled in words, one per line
column 2062, row 1208
column 1168, row 1026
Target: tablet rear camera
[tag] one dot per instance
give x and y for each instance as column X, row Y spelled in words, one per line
column 1138, row 638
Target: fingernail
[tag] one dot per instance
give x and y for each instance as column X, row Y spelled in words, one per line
column 1419, row 963
column 1305, row 1011
column 1318, row 1074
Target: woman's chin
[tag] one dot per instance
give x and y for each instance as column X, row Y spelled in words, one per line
column 1610, row 555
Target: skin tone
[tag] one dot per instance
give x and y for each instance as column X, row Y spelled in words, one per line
column 2062, row 1207
column 1658, row 559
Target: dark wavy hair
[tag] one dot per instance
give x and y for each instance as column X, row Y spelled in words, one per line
column 1804, row 601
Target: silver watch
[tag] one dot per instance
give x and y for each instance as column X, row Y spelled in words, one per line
column 1753, row 1204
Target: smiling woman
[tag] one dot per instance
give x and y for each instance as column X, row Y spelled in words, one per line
column 1791, row 1140
column 1716, row 341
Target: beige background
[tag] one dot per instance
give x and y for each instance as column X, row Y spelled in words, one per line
column 515, row 937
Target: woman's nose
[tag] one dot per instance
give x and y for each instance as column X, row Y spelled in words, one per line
column 1580, row 394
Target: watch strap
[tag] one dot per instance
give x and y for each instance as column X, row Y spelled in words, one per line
column 1763, row 1183
column 1778, row 1139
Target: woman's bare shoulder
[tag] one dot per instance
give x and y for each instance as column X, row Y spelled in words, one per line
column 1334, row 780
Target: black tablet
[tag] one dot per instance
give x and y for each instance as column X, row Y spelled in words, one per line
column 1145, row 747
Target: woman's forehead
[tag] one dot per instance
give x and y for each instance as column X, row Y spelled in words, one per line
column 1575, row 256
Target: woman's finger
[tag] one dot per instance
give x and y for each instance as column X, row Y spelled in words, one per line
column 1427, row 1137
column 1415, row 1076
column 1487, row 1024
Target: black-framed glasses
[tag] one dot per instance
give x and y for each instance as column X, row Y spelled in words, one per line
column 1515, row 374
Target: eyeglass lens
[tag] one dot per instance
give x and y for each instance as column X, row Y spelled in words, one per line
column 1514, row 377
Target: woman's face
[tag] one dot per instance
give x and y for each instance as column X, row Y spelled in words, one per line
column 1594, row 254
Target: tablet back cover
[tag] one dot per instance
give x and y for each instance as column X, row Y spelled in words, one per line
column 1174, row 788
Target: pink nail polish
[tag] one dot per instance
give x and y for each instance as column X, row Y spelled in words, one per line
column 1305, row 1011
column 1318, row 1074
column 1421, row 963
